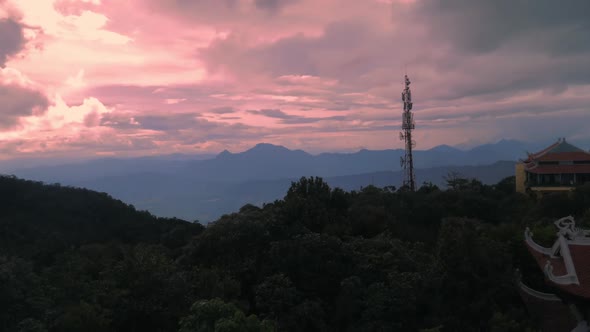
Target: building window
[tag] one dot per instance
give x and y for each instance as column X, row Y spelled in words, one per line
column 567, row 179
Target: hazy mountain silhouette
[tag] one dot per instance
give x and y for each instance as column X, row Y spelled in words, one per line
column 204, row 187
column 174, row 195
column 91, row 169
column 267, row 161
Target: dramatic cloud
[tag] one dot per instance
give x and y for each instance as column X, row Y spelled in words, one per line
column 12, row 39
column 222, row 110
column 154, row 76
column 168, row 122
column 529, row 25
column 19, row 101
column 290, row 118
column 18, row 95
column 272, row 5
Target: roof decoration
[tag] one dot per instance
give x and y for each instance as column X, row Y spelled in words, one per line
column 566, row 263
column 557, row 158
column 560, row 150
column 545, row 150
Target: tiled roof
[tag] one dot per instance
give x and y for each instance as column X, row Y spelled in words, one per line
column 581, row 258
column 557, row 169
column 552, row 315
column 564, row 146
column 561, row 156
column 560, row 150
column 545, row 150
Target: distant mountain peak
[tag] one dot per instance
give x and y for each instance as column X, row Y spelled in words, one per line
column 443, row 148
column 267, row 147
column 501, row 144
column 224, row 154
column 507, row 140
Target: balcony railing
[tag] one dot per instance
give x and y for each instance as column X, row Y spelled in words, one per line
column 551, row 184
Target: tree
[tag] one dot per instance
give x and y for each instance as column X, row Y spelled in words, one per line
column 276, row 296
column 320, row 260
column 506, row 185
column 31, row 325
column 217, row 316
column 21, row 293
column 209, row 283
column 455, row 181
column 471, row 259
column 427, row 188
column 307, row 202
column 349, row 303
column 84, row 317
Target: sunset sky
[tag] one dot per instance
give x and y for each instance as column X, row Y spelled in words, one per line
column 143, row 77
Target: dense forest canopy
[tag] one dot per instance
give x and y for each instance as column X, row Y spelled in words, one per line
column 320, row 259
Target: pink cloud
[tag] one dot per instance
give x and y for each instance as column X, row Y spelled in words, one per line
column 153, row 76
column 18, row 98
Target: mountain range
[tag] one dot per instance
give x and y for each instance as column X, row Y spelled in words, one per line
column 205, row 187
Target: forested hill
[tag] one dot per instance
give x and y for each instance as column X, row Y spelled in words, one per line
column 39, row 220
column 320, row 259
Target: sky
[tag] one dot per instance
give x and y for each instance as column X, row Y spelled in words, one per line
column 91, row 78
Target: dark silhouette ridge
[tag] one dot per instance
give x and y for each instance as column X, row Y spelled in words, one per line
column 320, row 258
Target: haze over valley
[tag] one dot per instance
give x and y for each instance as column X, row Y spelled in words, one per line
column 205, row 187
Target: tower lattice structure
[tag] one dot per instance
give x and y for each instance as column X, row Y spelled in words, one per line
column 407, row 161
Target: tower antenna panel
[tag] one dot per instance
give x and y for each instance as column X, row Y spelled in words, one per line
column 407, row 162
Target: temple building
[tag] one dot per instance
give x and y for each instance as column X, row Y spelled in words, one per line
column 559, row 167
column 566, row 266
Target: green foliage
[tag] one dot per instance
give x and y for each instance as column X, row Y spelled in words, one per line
column 21, row 293
column 471, row 259
column 503, row 323
column 456, row 181
column 205, row 314
column 31, row 325
column 83, row 316
column 427, row 188
column 276, row 295
column 212, row 283
column 217, row 316
column 321, row 259
column 507, row 185
column 311, row 202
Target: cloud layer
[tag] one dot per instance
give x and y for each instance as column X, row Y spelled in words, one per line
column 153, row 76
column 11, row 38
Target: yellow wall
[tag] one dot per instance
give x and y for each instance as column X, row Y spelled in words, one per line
column 520, row 178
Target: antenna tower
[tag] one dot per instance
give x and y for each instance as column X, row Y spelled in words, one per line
column 407, row 162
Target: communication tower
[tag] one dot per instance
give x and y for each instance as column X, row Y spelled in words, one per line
column 407, row 162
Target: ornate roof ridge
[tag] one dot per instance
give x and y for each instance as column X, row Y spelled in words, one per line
column 567, row 234
column 567, row 228
column 554, row 146
column 570, row 277
column 528, row 237
column 538, row 294
column 544, row 151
